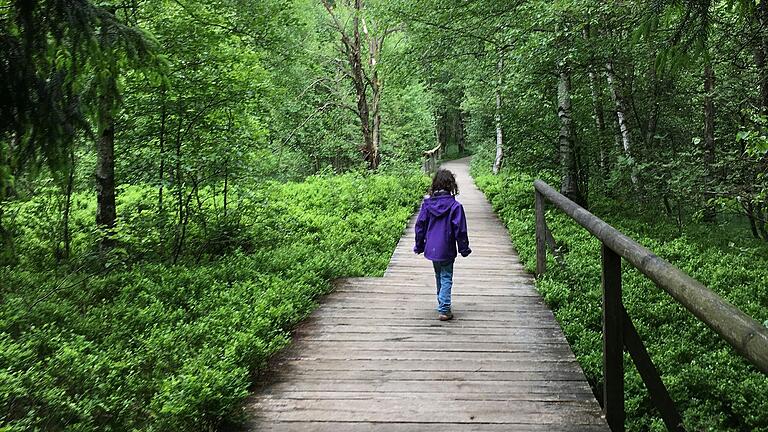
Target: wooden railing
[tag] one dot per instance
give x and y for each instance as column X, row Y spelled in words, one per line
column 431, row 158
column 746, row 335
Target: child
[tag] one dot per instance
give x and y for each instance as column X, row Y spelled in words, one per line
column 440, row 227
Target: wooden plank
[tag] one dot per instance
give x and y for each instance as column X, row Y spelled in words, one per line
column 556, row 374
column 416, row 300
column 492, row 327
column 387, row 314
column 470, row 317
column 281, row 426
column 415, row 411
column 427, row 334
column 395, row 306
column 548, row 396
column 467, row 294
column 468, row 369
column 493, row 388
column 368, row 351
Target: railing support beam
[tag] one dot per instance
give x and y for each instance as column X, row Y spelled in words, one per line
column 541, row 232
column 613, row 341
column 651, row 377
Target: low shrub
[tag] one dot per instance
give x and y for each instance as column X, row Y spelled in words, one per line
column 146, row 345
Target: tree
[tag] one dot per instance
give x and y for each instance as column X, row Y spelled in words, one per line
column 363, row 79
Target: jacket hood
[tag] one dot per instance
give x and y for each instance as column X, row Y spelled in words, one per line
column 440, row 204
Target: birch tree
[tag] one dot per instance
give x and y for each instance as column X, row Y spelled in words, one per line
column 498, row 114
column 569, row 151
column 621, row 118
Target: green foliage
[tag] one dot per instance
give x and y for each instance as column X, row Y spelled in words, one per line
column 152, row 346
column 714, row 388
column 58, row 58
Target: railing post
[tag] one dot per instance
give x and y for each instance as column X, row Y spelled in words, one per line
column 613, row 343
column 541, row 232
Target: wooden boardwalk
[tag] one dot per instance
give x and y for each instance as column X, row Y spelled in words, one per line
column 373, row 357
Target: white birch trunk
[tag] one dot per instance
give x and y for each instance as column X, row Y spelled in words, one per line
column 597, row 106
column 374, row 49
column 499, row 133
column 626, row 139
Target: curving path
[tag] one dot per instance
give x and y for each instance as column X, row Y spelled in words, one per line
column 373, row 357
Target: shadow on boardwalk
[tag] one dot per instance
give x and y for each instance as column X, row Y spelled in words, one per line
column 374, row 357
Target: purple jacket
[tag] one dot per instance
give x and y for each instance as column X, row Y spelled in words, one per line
column 440, row 227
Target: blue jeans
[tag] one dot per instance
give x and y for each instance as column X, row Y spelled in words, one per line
column 444, row 279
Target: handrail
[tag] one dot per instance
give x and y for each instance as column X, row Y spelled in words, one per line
column 432, row 157
column 742, row 332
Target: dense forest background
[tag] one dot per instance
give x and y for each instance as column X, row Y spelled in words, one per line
column 180, row 180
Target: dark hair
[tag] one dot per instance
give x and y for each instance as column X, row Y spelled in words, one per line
column 444, row 180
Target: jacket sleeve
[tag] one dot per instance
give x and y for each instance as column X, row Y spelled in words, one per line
column 421, row 230
column 459, row 225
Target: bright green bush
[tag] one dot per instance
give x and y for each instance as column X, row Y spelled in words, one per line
column 159, row 347
column 714, row 388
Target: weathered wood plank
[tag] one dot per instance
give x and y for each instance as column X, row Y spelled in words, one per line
column 291, row 374
column 542, row 364
column 280, row 426
column 429, row 322
column 422, row 334
column 429, row 314
column 415, row 411
column 534, row 388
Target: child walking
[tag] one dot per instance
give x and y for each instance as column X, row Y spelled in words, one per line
column 440, row 227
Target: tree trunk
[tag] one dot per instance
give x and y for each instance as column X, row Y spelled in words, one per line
column 374, row 152
column 461, row 140
column 760, row 55
column 567, row 140
column 499, row 133
column 67, row 236
column 761, row 216
column 597, row 106
column 106, row 213
column 8, row 251
column 439, row 132
column 375, row 82
column 709, row 140
column 226, row 187
column 354, row 55
column 178, row 183
column 653, row 111
column 621, row 117
column 369, row 116
column 749, row 209
column 163, row 119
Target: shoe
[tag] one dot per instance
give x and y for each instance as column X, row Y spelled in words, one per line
column 445, row 316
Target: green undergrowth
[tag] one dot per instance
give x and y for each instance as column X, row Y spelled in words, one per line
column 714, row 388
column 148, row 345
